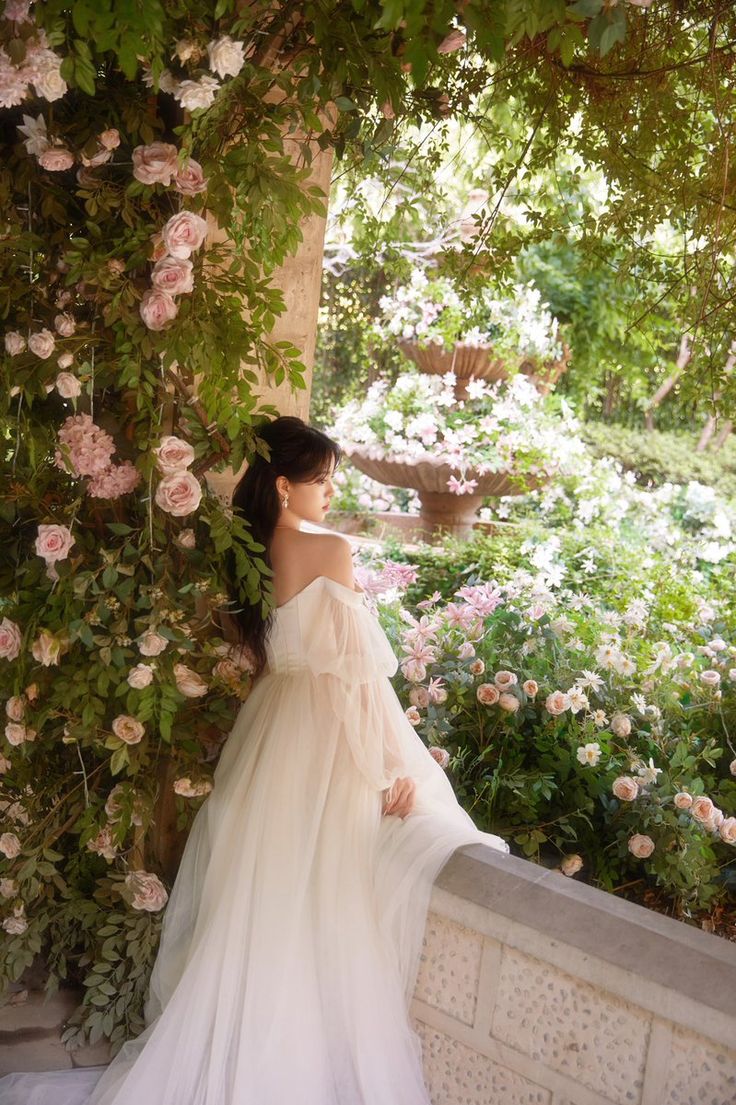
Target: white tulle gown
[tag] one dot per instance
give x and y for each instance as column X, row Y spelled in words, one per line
column 292, row 936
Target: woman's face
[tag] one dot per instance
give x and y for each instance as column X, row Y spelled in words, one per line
column 310, row 501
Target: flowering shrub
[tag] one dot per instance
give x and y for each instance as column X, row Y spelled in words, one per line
column 499, row 428
column 593, row 737
column 429, row 311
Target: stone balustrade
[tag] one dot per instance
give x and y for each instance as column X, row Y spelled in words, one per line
column 536, row 989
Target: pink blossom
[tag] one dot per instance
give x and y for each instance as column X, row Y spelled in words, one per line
column 487, row 694
column 173, row 275
column 9, row 845
column 42, row 344
column 190, row 180
column 557, row 703
column 110, row 139
column 179, row 494
column 65, row 325
column 117, row 480
column 68, row 386
column 641, row 845
column 440, row 755
column 10, row 639
column 90, row 448
column 16, row 11
column 184, row 233
column 56, row 159
column 15, row 343
column 65, row 360
column 156, row 163
column 148, row 891
column 53, row 542
column 157, row 309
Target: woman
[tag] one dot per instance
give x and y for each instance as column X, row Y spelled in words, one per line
column 292, row 936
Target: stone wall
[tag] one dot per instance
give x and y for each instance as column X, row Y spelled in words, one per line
column 535, row 989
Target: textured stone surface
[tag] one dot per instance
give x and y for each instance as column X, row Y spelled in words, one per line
column 699, row 1073
column 572, row 1027
column 455, row 1075
column 449, row 970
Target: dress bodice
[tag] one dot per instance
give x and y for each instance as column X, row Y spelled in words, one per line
column 327, row 628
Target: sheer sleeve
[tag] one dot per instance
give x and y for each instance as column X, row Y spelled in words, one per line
column 347, row 650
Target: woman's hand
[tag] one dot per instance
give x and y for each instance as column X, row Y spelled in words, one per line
column 400, row 797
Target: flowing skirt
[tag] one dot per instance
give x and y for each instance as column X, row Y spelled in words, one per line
column 292, row 936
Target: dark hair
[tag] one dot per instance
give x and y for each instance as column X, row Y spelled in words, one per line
column 302, row 454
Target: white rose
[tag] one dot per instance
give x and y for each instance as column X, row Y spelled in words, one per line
column 641, row 846
column 9, row 845
column 10, row 639
column 570, row 865
column 8, row 888
column 151, row 643
column 227, row 58
column 128, row 729
column 140, row 676
column 67, row 385
column 15, row 925
column 621, row 724
column 46, row 648
column 42, row 344
column 625, row 788
column 148, row 891
column 556, row 703
column 15, row 343
column 173, row 455
column 17, row 733
column 156, row 163
column 710, row 678
column 53, row 542
column 188, row 682
column 50, row 84
column 65, row 361
column 195, row 95
column 683, row 800
column 179, row 494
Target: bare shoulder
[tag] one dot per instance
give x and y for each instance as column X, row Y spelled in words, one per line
column 298, row 558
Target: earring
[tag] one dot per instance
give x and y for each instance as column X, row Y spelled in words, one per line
column 285, row 501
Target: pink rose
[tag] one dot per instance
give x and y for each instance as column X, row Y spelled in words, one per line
column 151, row 643
column 179, row 493
column 477, row 667
column 157, row 309
column 188, row 682
column 556, row 703
column 65, row 360
column 702, row 808
column 9, row 640
column 53, row 542
column 440, row 755
column 455, row 40
column 8, row 888
column 419, row 696
column 487, row 694
column 683, row 800
column 46, row 648
column 15, row 343
column 15, row 708
column 16, row 733
column 413, row 716
column 625, row 788
column 504, row 680
column 148, row 891
column 184, row 233
column 710, row 678
column 727, row 830
column 128, row 729
column 641, row 846
column 109, row 139
column 56, row 159
column 530, row 688
column 465, row 651
column 190, row 180
column 188, row 789
column 621, row 724
column 155, row 164
column 509, row 702
column 68, row 386
column 65, row 325
column 9, row 845
column 42, row 344
column 173, row 275
column 104, row 843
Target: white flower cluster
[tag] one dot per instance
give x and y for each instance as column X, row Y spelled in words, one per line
column 226, row 59
column 39, row 68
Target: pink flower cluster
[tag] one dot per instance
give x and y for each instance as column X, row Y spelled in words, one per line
column 39, row 67
column 90, row 451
